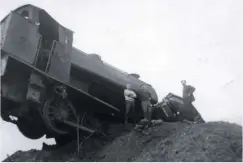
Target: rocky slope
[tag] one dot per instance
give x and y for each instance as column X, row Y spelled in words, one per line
column 213, row 141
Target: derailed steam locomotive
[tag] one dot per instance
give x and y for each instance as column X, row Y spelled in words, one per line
column 48, row 84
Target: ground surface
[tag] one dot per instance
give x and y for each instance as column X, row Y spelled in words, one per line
column 214, row 141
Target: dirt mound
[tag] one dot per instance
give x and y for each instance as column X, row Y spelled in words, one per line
column 217, row 141
column 214, row 141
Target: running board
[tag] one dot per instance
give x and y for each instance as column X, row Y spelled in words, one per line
column 79, row 126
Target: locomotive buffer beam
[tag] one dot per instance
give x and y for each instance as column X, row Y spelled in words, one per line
column 81, row 127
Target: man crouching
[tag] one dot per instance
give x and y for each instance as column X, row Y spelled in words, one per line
column 130, row 96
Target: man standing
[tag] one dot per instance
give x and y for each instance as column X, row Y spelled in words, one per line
column 130, row 96
column 145, row 98
column 188, row 91
column 189, row 98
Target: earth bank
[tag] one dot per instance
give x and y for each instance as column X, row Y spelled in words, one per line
column 212, row 141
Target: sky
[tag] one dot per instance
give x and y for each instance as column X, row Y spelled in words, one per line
column 165, row 41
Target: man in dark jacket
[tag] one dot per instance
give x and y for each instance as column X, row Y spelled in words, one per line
column 145, row 97
column 188, row 91
column 188, row 99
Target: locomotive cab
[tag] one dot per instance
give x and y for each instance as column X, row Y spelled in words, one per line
column 31, row 35
column 32, row 43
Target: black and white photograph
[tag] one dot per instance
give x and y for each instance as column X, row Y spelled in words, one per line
column 121, row 80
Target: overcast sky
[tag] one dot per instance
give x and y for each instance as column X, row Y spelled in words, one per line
column 164, row 41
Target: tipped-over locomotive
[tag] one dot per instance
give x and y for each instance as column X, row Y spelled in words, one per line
column 45, row 81
column 48, row 84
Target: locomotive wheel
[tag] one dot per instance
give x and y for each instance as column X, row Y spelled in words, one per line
column 30, row 129
column 54, row 112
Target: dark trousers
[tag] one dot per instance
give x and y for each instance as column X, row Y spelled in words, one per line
column 147, row 109
column 130, row 105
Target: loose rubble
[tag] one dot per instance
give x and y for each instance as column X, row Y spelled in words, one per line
column 213, row 141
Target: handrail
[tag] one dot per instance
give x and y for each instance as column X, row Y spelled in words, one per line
column 38, row 51
column 50, row 55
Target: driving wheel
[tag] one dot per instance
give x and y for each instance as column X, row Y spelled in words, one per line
column 56, row 111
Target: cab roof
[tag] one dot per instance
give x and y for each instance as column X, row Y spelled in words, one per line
column 35, row 7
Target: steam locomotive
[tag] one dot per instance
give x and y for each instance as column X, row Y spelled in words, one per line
column 47, row 84
column 48, row 87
